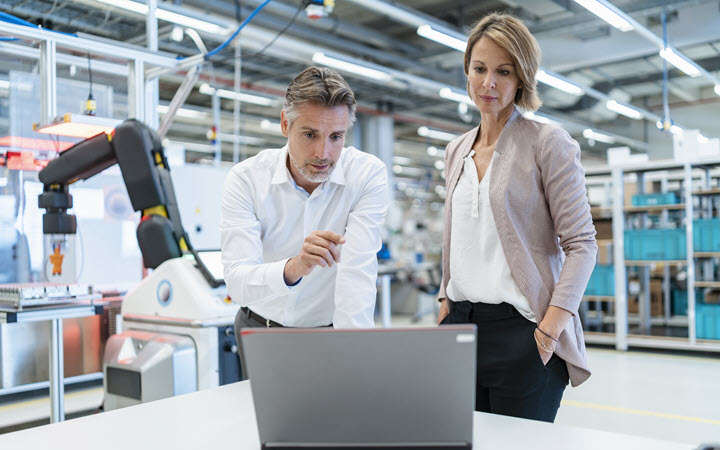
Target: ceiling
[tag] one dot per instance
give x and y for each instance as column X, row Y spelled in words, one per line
column 574, row 42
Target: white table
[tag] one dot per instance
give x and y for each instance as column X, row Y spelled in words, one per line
column 54, row 315
column 224, row 417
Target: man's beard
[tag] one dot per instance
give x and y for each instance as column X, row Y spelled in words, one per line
column 309, row 172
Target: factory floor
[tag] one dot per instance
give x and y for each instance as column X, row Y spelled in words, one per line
column 29, row 409
column 664, row 396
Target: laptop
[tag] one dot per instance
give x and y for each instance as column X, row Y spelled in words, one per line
column 363, row 389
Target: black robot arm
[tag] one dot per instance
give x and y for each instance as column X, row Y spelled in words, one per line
column 138, row 151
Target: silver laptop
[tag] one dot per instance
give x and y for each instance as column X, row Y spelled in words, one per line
column 363, row 389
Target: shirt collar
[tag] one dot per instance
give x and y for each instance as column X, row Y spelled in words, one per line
column 282, row 173
column 338, row 174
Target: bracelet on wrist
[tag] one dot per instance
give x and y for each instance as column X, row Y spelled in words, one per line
column 543, row 346
column 540, row 330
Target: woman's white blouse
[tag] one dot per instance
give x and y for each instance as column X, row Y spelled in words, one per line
column 480, row 272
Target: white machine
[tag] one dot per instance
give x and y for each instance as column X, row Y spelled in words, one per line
column 178, row 337
column 178, row 321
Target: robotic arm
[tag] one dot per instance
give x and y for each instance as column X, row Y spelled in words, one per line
column 138, row 151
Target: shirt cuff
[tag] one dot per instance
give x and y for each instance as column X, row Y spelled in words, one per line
column 276, row 277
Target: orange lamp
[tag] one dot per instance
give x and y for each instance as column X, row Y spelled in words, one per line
column 77, row 125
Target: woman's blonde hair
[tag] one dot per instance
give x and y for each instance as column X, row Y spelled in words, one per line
column 514, row 37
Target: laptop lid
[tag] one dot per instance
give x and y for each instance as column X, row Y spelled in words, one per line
column 399, row 388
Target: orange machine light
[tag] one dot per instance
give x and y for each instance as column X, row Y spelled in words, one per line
column 17, row 142
column 77, row 125
column 24, row 160
column 56, row 259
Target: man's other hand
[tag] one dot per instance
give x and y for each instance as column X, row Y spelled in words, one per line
column 444, row 311
column 320, row 248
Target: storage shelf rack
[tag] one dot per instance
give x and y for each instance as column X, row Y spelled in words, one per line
column 614, row 179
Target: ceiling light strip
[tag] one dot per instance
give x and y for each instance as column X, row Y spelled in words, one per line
column 428, row 32
column 239, row 96
column 346, row 66
column 460, row 97
column 625, row 110
column 677, row 59
column 435, row 134
column 600, row 137
column 558, row 82
column 607, row 12
column 169, row 16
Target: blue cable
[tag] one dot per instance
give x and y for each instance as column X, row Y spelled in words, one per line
column 5, row 17
column 242, row 25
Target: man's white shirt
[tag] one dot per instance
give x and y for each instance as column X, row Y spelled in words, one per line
column 265, row 219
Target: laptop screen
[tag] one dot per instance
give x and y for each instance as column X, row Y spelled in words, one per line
column 363, row 388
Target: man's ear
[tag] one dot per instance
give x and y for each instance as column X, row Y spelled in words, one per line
column 284, row 123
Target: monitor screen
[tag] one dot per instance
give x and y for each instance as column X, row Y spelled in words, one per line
column 211, row 260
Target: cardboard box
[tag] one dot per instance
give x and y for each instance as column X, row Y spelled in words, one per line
column 712, row 296
column 605, row 251
column 656, row 300
column 631, row 189
column 603, row 227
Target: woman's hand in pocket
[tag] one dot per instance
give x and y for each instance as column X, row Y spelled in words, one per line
column 545, row 346
column 544, row 355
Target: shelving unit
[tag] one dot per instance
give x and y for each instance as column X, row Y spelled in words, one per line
column 614, row 181
column 667, row 262
column 654, row 208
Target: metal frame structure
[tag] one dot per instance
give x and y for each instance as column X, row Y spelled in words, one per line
column 142, row 101
column 138, row 61
column 622, row 340
column 55, row 316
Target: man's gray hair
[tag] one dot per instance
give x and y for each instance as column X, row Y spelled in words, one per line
column 322, row 86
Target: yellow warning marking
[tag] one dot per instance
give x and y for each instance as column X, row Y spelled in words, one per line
column 46, row 400
column 639, row 412
column 655, row 355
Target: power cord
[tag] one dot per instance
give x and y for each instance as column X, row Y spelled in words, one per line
column 90, row 104
column 234, row 35
column 304, row 4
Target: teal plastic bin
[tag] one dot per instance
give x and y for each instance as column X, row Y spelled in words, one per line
column 602, row 281
column 680, row 301
column 707, row 321
column 655, row 244
column 706, row 235
column 667, row 198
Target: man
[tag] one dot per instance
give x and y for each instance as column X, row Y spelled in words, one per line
column 301, row 225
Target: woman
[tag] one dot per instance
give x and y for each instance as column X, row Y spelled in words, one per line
column 519, row 243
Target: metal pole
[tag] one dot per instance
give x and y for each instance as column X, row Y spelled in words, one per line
column 48, row 81
column 236, row 103
column 385, row 299
column 664, row 223
column 618, row 225
column 57, row 385
column 136, row 91
column 216, row 123
column 707, row 213
column 152, row 85
column 644, row 298
column 178, row 99
column 690, row 254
